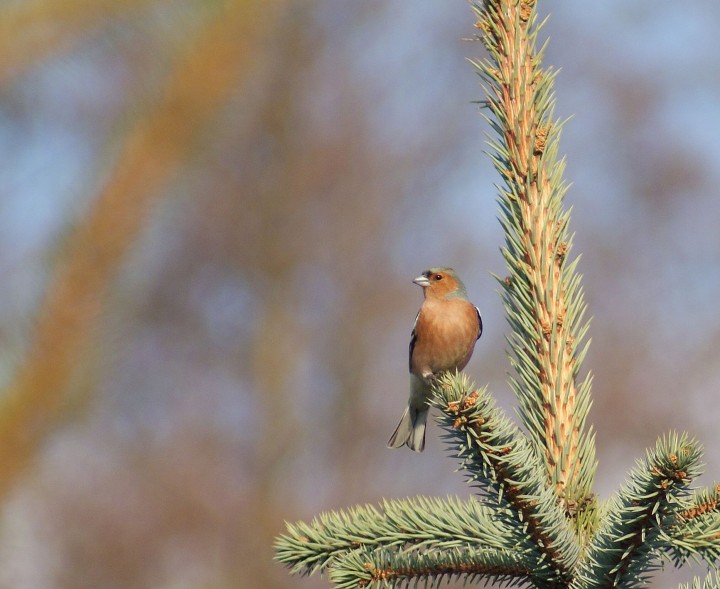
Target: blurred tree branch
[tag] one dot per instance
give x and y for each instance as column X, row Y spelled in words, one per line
column 211, row 66
column 35, row 29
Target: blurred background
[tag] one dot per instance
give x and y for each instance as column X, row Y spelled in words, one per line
column 210, row 216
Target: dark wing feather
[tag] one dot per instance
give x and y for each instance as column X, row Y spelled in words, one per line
column 413, row 340
column 479, row 324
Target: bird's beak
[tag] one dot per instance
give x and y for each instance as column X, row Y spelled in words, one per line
column 422, row 281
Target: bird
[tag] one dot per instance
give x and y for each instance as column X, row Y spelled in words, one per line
column 443, row 338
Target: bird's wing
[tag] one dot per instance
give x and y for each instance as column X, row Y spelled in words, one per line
column 413, row 339
column 479, row 325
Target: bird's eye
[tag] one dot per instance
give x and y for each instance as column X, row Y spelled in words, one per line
column 438, row 277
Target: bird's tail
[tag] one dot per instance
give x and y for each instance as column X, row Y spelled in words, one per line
column 411, row 430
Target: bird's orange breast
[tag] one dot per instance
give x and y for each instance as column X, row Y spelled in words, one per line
column 446, row 332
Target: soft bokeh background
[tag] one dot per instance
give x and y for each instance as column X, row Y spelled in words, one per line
column 210, row 215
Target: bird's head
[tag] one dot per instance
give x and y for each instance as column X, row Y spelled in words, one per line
column 441, row 283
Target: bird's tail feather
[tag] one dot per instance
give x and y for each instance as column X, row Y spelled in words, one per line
column 411, row 430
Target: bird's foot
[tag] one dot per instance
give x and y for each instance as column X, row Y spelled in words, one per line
column 430, row 377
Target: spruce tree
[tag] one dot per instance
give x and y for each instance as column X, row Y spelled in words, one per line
column 535, row 520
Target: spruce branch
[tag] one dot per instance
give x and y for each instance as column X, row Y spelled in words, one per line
column 499, row 459
column 387, row 569
column 696, row 531
column 542, row 294
column 420, row 522
column 537, row 521
column 628, row 542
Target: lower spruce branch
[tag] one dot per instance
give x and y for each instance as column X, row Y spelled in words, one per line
column 382, row 568
column 695, row 532
column 419, row 523
column 500, row 459
column 627, row 546
column 705, row 502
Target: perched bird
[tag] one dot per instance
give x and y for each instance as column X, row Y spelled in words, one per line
column 446, row 329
